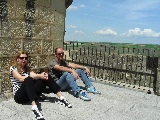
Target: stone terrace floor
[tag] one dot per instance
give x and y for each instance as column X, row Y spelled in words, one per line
column 114, row 103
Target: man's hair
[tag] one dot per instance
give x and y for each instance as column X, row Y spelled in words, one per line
column 55, row 51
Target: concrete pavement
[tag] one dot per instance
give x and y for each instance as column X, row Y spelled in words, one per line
column 114, row 103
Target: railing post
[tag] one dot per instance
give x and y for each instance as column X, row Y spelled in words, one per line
column 73, row 45
column 0, row 86
column 158, row 81
column 158, row 75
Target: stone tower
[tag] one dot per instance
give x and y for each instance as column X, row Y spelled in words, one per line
column 35, row 26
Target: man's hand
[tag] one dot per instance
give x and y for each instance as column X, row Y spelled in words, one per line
column 88, row 71
column 75, row 75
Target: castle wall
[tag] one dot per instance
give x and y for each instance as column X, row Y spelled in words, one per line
column 35, row 26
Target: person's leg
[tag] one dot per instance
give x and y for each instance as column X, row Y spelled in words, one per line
column 55, row 88
column 84, row 78
column 62, row 82
column 39, row 86
column 27, row 93
column 87, row 82
column 67, row 79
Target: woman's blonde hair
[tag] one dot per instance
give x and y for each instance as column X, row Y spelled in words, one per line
column 14, row 61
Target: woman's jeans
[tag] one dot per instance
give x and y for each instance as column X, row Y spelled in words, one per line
column 67, row 80
column 31, row 89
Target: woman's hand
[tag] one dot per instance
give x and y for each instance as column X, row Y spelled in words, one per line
column 44, row 76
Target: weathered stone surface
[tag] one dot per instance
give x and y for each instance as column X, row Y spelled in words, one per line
column 42, row 21
column 114, row 103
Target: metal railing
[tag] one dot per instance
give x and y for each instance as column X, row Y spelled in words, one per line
column 125, row 65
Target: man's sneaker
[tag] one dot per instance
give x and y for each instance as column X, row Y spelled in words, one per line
column 92, row 90
column 38, row 114
column 83, row 96
column 65, row 103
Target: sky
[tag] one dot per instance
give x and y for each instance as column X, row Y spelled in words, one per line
column 115, row 21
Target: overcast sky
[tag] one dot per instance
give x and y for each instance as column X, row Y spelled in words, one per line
column 116, row 21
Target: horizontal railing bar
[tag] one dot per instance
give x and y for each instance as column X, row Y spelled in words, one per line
column 116, row 69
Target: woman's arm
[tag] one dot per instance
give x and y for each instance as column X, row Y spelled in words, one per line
column 43, row 75
column 18, row 76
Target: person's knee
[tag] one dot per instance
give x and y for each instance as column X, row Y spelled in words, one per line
column 79, row 71
column 66, row 74
column 28, row 79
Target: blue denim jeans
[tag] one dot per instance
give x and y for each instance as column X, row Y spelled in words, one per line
column 67, row 81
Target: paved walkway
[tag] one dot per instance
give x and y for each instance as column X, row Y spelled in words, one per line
column 114, row 103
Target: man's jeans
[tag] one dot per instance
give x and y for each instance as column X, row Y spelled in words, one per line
column 67, row 80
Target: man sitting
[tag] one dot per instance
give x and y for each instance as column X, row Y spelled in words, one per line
column 66, row 77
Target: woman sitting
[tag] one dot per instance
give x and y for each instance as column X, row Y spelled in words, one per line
column 28, row 86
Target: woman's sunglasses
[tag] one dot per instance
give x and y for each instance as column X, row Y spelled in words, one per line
column 23, row 58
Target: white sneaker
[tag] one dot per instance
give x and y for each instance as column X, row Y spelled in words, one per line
column 65, row 103
column 38, row 114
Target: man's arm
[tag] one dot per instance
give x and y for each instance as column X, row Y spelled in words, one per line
column 63, row 68
column 75, row 66
column 66, row 69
